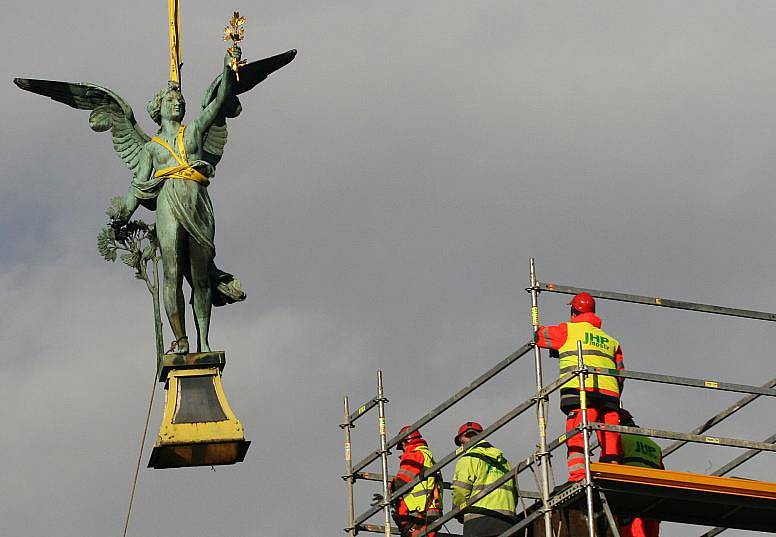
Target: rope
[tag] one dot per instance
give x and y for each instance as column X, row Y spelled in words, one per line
column 140, row 456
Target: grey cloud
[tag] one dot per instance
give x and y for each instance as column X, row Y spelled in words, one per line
column 380, row 198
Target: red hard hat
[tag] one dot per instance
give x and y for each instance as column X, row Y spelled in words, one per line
column 414, row 435
column 583, row 303
column 465, row 428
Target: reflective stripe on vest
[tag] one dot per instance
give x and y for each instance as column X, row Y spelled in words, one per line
column 641, row 451
column 598, row 350
column 421, row 497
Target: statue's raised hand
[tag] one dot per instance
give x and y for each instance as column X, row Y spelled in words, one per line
column 233, row 53
column 250, row 75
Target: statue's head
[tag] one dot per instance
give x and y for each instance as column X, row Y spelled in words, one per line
column 168, row 103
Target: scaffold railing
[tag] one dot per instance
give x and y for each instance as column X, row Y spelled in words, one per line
column 585, row 495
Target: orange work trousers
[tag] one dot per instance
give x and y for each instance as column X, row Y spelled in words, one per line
column 611, row 443
column 640, row 527
column 410, row 526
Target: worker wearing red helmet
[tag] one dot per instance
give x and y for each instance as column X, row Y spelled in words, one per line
column 423, row 504
column 642, row 452
column 480, row 466
column 599, row 349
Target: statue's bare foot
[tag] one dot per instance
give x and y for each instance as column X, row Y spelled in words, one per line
column 182, row 346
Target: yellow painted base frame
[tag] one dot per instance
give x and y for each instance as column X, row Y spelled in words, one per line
column 198, row 443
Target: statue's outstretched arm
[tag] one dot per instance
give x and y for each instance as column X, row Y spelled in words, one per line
column 214, row 138
column 205, row 119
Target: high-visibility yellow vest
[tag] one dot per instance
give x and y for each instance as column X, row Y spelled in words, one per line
column 475, row 470
column 641, row 451
column 426, row 495
column 598, row 350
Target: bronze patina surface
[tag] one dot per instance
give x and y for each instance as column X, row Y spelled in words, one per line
column 171, row 173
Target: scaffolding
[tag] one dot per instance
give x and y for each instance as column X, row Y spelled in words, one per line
column 607, row 490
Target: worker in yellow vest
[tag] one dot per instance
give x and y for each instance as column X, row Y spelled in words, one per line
column 477, row 468
column 599, row 349
column 643, row 452
column 423, row 504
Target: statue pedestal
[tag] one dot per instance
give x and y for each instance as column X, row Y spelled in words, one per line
column 199, row 427
column 192, row 360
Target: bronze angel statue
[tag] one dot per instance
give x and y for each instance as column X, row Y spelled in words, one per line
column 171, row 173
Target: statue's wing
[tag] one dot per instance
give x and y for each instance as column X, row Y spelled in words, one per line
column 250, row 75
column 109, row 111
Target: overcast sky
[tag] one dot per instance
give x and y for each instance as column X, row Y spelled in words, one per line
column 380, row 198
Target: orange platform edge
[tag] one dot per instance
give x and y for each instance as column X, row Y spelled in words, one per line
column 683, row 480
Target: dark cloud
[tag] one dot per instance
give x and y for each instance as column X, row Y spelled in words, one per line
column 380, row 198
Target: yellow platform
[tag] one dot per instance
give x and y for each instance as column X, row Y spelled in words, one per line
column 689, row 498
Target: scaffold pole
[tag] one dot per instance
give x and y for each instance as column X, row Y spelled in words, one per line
column 741, row 459
column 657, row 301
column 455, row 398
column 348, row 477
column 732, row 465
column 596, row 479
column 541, row 405
column 381, row 400
column 363, row 409
column 706, row 384
column 696, row 438
column 711, row 422
column 493, row 428
column 609, row 515
column 585, row 440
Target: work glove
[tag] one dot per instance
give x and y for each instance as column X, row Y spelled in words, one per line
column 377, row 499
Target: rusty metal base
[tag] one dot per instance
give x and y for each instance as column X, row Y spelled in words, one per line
column 192, row 360
column 198, row 454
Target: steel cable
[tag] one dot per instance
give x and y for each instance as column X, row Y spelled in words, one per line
column 140, row 457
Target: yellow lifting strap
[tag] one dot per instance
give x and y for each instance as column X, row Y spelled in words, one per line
column 174, row 20
column 183, row 170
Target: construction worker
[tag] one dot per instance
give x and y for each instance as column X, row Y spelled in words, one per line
column 477, row 468
column 599, row 349
column 643, row 452
column 423, row 504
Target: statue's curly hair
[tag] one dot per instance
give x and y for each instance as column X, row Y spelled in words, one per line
column 154, row 106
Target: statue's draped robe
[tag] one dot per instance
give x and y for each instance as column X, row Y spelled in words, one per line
column 182, row 191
